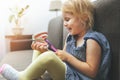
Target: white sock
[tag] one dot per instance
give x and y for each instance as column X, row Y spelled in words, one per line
column 9, row 73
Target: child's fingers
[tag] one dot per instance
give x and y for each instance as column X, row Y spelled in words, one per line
column 43, row 48
column 39, row 46
column 33, row 45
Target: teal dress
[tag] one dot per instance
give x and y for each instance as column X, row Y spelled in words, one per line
column 80, row 53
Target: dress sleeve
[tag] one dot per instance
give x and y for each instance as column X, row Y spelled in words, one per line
column 98, row 37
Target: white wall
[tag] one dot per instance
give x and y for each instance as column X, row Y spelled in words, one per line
column 36, row 18
column 2, row 29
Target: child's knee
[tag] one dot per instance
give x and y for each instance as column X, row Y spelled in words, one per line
column 50, row 56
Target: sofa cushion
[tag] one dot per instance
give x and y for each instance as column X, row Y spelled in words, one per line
column 107, row 21
column 55, row 32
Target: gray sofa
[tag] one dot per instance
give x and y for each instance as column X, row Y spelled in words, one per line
column 107, row 21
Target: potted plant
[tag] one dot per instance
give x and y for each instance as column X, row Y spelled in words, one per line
column 15, row 17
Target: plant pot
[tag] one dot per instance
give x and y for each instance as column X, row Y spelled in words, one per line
column 17, row 30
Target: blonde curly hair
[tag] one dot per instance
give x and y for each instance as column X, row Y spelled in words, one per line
column 79, row 7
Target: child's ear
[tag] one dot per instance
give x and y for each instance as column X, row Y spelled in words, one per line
column 85, row 17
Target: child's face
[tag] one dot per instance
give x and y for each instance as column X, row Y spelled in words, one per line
column 73, row 24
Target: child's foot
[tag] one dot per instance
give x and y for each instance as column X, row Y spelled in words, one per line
column 8, row 72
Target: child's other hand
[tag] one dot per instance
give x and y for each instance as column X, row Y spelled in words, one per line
column 63, row 55
column 39, row 43
column 40, row 46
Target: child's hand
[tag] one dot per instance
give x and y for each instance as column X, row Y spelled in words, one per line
column 40, row 46
column 39, row 42
column 63, row 55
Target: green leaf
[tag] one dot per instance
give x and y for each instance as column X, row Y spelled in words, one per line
column 11, row 18
column 21, row 11
column 27, row 6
